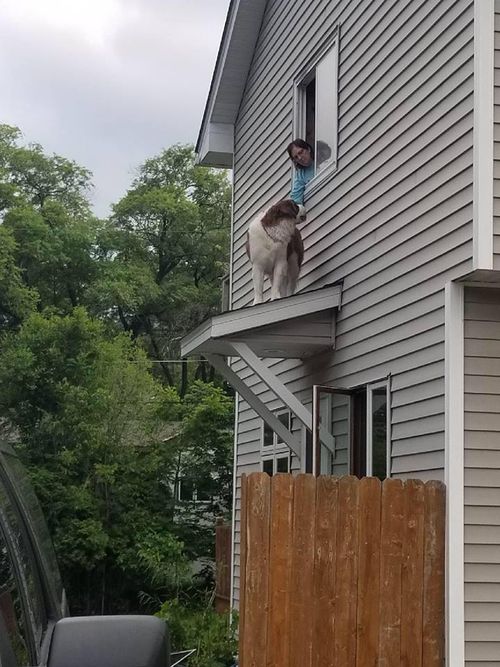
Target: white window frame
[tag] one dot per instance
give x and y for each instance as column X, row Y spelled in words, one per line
column 278, row 450
column 194, row 495
column 369, row 427
column 275, row 457
column 277, row 445
column 299, row 117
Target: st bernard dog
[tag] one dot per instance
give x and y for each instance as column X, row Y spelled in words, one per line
column 274, row 246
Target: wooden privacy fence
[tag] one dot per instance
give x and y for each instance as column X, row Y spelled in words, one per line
column 222, row 567
column 341, row 572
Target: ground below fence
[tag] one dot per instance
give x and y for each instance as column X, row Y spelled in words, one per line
column 341, row 572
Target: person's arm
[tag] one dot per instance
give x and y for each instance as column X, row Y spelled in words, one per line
column 298, row 187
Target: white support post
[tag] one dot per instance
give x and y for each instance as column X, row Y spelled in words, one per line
column 482, row 209
column 259, row 367
column 454, row 473
column 255, row 403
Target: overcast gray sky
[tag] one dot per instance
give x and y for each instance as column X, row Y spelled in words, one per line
column 107, row 83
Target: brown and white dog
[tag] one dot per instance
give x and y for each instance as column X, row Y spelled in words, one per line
column 274, row 246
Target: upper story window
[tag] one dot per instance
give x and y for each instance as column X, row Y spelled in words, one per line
column 315, row 118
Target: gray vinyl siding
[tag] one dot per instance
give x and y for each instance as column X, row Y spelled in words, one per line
column 496, row 147
column 394, row 223
column 482, row 476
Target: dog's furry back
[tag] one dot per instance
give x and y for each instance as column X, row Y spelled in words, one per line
column 274, row 246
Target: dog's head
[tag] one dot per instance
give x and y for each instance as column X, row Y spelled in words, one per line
column 285, row 209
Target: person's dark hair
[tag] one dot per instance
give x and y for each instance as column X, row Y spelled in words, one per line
column 298, row 143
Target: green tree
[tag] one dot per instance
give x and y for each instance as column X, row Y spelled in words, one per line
column 44, row 205
column 16, row 299
column 106, row 444
column 164, row 251
column 86, row 410
column 202, row 452
column 27, row 173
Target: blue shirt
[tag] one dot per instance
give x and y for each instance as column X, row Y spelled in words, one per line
column 301, row 178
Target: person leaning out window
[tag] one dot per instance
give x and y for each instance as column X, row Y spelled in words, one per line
column 302, row 156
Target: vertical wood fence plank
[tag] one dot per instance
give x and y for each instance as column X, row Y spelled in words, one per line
column 302, row 600
column 280, row 570
column 222, row 567
column 434, row 564
column 324, row 571
column 257, row 569
column 412, row 580
column 370, row 491
column 391, row 561
column 243, row 580
column 346, row 573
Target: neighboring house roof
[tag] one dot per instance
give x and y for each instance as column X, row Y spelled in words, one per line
column 170, row 431
column 215, row 140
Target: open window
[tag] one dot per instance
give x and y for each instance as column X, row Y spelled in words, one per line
column 360, row 423
column 275, row 453
column 315, row 118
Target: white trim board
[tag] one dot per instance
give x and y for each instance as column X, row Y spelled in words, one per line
column 454, row 473
column 484, row 50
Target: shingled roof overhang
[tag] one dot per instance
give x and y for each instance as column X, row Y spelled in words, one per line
column 214, row 146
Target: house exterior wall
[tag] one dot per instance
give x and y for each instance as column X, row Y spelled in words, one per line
column 482, row 476
column 496, row 147
column 395, row 221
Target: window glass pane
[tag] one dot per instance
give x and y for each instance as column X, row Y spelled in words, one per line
column 284, row 418
column 358, row 429
column 379, row 432
column 310, row 103
column 326, row 87
column 268, row 435
column 203, row 495
column 341, row 424
column 267, row 466
column 283, row 464
column 186, row 489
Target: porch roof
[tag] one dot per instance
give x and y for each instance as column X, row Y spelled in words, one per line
column 294, row 327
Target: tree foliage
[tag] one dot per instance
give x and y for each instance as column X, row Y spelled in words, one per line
column 85, row 408
column 45, row 210
column 212, row 635
column 164, row 251
column 84, row 305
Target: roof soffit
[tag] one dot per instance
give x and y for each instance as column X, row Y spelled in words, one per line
column 233, row 63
